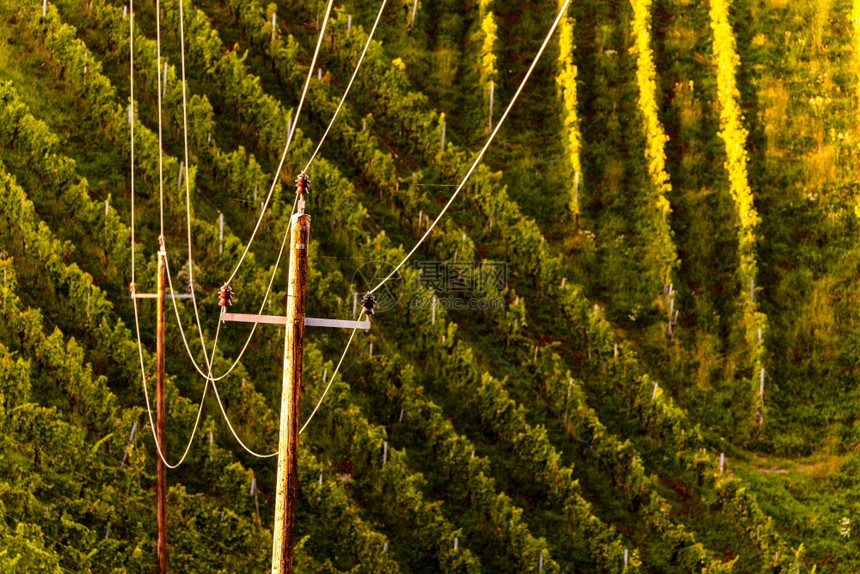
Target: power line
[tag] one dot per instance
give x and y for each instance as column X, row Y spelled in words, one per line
column 480, row 155
column 247, row 247
column 188, row 203
column 307, row 422
column 160, row 153
column 149, row 406
column 287, row 147
column 187, row 199
column 207, row 358
column 189, row 242
column 209, row 378
column 253, row 329
column 221, row 405
column 349, row 85
column 134, row 299
column 131, row 121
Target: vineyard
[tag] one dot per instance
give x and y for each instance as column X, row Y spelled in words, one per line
column 627, row 338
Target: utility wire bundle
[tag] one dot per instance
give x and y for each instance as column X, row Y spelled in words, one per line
column 303, row 189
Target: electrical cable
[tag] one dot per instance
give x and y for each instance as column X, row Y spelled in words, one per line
column 349, row 85
column 134, row 299
column 189, row 242
column 310, row 161
column 208, row 376
column 188, row 195
column 149, row 406
column 483, row 151
column 188, row 200
column 221, row 404
column 187, row 203
column 314, row 412
column 287, row 147
column 253, row 329
column 160, row 154
column 209, row 360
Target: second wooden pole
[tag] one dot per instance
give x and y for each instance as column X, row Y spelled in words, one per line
column 161, row 489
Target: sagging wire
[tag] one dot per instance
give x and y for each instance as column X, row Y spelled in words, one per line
column 483, row 151
column 348, row 86
column 287, row 147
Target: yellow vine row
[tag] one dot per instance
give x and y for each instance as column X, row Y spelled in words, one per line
column 855, row 29
column 489, row 73
column 734, row 135
column 566, row 80
column 655, row 148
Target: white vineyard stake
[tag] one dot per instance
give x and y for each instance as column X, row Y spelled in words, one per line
column 220, row 233
column 490, row 117
column 130, row 442
column 414, row 12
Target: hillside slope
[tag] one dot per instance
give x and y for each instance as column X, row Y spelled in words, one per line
column 631, row 345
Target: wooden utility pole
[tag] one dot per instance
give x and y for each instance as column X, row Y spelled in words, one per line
column 161, row 415
column 288, row 447
column 283, row 533
column 162, row 469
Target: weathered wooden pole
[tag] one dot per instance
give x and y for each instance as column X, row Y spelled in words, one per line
column 161, row 491
column 288, row 447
